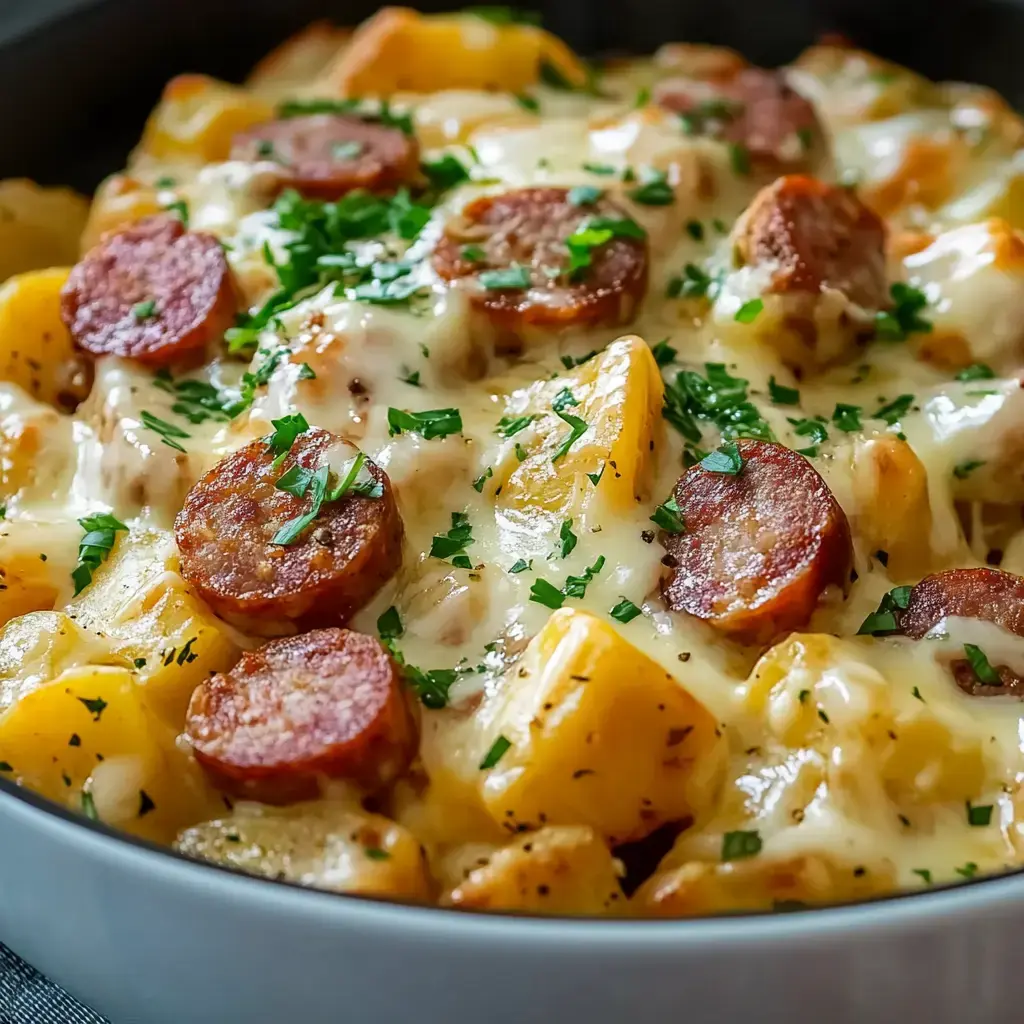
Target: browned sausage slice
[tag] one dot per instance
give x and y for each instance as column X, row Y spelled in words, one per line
column 758, row 547
column 327, row 155
column 327, row 703
column 753, row 108
column 513, row 251
column 227, row 527
column 153, row 292
column 815, row 236
column 989, row 594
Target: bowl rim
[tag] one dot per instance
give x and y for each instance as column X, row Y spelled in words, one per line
column 928, row 902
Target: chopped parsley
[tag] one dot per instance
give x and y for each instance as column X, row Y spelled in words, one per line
column 718, row 397
column 289, row 532
column 962, row 470
column 94, row 547
column 978, row 816
column 924, row 874
column 594, row 232
column 669, row 517
column 89, row 806
column 895, row 410
column 95, row 706
column 847, row 417
column 905, row 317
column 579, row 428
column 445, row 172
column 145, row 803
column 663, row 353
column 505, row 279
column 411, row 378
column 430, row 424
column 782, row 395
column 653, row 190
column 389, row 624
column 563, row 400
column 478, row 483
column 567, row 539
column 884, row 621
column 473, row 253
column 569, row 361
column 508, row 426
column 625, row 611
column 695, row 230
column 749, row 311
column 576, row 586
column 498, row 750
column 144, row 310
column 521, row 565
column 725, row 459
column 738, row 845
column 976, row 371
column 197, row 400
column 969, row 870
column 354, row 106
column 585, row 195
column 453, row 544
column 169, row 433
column 547, row 594
column 527, row 102
column 693, row 283
column 981, row 666
column 286, row 430
column 603, row 170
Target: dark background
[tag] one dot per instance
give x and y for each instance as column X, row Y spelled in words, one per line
column 77, row 77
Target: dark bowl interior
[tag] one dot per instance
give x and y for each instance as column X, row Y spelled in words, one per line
column 77, row 77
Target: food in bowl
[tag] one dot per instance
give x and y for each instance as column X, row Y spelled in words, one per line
column 444, row 470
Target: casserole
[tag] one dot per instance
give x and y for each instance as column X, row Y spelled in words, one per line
column 367, row 1003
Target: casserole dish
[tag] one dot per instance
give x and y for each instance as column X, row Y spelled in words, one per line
column 156, row 938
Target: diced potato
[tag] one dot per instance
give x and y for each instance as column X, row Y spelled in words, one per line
column 153, row 620
column 400, row 50
column 36, row 560
column 892, row 513
column 758, row 883
column 39, row 227
column 599, row 735
column 87, row 740
column 197, row 118
column 323, row 845
column 119, row 201
column 979, row 271
column 698, row 60
column 37, row 448
column 298, row 60
column 911, row 752
column 36, row 351
column 39, row 646
column 553, row 871
column 850, row 85
column 619, row 394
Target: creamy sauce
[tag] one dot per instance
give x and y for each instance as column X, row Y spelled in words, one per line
column 813, row 767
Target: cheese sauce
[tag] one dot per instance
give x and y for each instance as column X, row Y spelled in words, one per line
column 854, row 761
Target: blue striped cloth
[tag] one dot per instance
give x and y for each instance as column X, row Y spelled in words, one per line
column 26, row 997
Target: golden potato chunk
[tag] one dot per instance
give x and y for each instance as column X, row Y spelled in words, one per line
column 322, row 845
column 87, row 740
column 298, row 60
column 598, row 735
column 197, row 118
column 618, row 395
column 39, row 227
column 36, row 350
column 553, row 871
column 400, row 50
column 119, row 201
column 153, row 620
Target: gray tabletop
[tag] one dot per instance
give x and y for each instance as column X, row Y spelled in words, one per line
column 26, row 997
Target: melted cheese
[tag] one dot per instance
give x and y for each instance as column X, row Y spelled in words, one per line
column 816, row 765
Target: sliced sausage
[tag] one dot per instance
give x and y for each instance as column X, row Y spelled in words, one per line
column 327, row 155
column 815, row 237
column 327, row 703
column 226, row 528
column 753, row 108
column 526, row 232
column 153, row 292
column 758, row 547
column 988, row 594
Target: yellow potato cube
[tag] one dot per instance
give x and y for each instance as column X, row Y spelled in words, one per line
column 757, row 883
column 553, row 871
column 325, row 845
column 619, row 394
column 400, row 50
column 197, row 119
column 298, row 60
column 36, row 351
column 598, row 734
column 119, row 201
column 152, row 619
column 36, row 560
column 39, row 227
column 88, row 741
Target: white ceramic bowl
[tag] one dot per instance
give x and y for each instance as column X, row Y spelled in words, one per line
column 147, row 936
